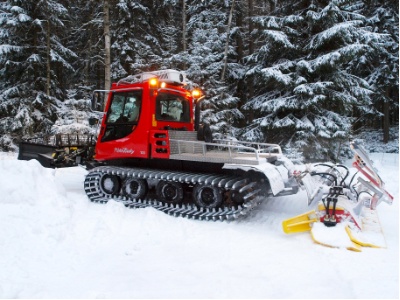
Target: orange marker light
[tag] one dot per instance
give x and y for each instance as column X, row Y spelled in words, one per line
column 196, row 93
column 153, row 82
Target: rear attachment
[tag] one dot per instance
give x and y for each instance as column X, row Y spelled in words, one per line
column 344, row 214
column 60, row 150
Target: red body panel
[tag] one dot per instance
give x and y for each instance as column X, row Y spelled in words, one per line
column 149, row 137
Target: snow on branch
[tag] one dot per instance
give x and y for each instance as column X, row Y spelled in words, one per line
column 58, row 58
column 5, row 49
column 23, row 18
column 278, row 37
column 34, row 58
column 343, row 31
column 314, row 101
column 310, row 89
column 277, row 75
column 307, row 124
column 337, row 58
column 10, row 92
column 285, row 122
column 277, row 104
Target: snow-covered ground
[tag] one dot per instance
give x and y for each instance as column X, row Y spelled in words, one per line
column 54, row 243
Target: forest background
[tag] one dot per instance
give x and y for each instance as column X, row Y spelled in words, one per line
column 307, row 74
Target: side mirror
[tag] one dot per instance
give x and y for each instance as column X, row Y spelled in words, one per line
column 93, row 121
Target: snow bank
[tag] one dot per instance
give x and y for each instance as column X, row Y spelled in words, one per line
column 37, row 185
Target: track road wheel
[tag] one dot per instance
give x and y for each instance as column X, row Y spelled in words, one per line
column 135, row 188
column 207, row 196
column 236, row 197
column 110, row 184
column 171, row 192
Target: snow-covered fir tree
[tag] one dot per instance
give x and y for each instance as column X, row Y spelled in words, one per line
column 169, row 28
column 382, row 67
column 86, row 38
column 308, row 91
column 34, row 65
column 135, row 46
column 204, row 60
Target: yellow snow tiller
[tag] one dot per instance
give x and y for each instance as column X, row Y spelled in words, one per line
column 343, row 215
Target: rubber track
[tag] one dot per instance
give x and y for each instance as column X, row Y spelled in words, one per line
column 95, row 194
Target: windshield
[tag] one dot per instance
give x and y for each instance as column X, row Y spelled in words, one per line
column 171, row 107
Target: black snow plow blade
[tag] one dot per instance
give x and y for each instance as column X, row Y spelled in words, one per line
column 61, row 150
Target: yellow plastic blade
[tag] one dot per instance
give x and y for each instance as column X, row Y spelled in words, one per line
column 356, row 239
column 300, row 223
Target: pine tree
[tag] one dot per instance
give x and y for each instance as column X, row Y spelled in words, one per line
column 33, row 65
column 135, row 46
column 307, row 91
column 169, row 28
column 274, row 42
column 382, row 67
column 86, row 38
column 204, row 61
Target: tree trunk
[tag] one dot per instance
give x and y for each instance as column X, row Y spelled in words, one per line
column 239, row 37
column 227, row 41
column 250, row 86
column 107, row 58
column 386, row 118
column 184, row 25
column 48, row 69
column 250, row 5
column 241, row 84
column 184, row 31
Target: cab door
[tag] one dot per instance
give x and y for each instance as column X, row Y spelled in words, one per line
column 123, row 115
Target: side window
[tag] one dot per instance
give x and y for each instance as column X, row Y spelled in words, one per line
column 125, row 107
column 171, row 107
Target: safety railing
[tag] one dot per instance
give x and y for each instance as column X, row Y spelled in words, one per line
column 233, row 149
